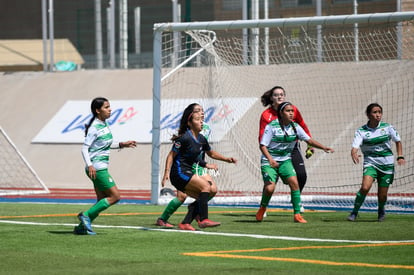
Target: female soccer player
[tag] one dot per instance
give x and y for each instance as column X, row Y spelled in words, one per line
column 374, row 139
column 273, row 98
column 278, row 141
column 95, row 152
column 176, row 202
column 188, row 149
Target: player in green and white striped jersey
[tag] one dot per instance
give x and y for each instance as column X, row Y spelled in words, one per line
column 374, row 140
column 95, row 153
column 277, row 143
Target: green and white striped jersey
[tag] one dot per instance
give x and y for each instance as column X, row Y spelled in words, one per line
column 206, row 131
column 97, row 145
column 375, row 144
column 279, row 142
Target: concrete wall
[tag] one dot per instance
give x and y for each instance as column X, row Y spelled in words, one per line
column 30, row 100
column 332, row 97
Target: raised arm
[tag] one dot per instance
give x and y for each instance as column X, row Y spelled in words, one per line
column 216, row 155
column 318, row 145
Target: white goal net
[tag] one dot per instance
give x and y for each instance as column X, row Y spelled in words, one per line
column 16, row 176
column 331, row 68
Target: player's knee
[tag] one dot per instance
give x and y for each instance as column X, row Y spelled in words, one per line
column 181, row 196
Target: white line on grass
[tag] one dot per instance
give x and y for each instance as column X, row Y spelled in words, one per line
column 210, row 233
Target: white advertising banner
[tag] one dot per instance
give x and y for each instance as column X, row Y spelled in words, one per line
column 132, row 119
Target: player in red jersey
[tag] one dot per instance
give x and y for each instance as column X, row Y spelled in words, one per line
column 273, row 98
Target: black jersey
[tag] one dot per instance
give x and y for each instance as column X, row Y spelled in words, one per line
column 189, row 151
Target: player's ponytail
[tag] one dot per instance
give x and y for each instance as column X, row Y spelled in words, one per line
column 96, row 103
column 187, row 114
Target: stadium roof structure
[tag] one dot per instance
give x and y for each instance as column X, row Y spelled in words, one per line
column 27, row 54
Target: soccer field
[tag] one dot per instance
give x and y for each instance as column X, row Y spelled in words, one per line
column 38, row 239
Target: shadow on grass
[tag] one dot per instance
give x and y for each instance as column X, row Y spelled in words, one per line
column 345, row 220
column 61, row 232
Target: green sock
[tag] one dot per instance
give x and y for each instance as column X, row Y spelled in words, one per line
column 359, row 200
column 265, row 200
column 94, row 211
column 172, row 206
column 295, row 197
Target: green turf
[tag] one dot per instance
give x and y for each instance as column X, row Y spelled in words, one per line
column 53, row 249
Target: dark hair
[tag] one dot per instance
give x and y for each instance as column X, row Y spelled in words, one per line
column 280, row 108
column 96, row 103
column 266, row 97
column 372, row 106
column 187, row 114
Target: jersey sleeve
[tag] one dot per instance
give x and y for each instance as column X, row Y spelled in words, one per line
column 267, row 136
column 178, row 144
column 91, row 136
column 206, row 145
column 302, row 135
column 394, row 134
column 262, row 125
column 89, row 139
column 299, row 120
column 356, row 143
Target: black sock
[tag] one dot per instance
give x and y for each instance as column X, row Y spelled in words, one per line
column 203, row 205
column 191, row 213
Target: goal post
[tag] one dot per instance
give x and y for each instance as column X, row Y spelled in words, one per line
column 331, row 67
column 17, row 177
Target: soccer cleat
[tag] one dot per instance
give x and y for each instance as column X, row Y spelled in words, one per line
column 298, row 218
column 161, row 222
column 186, row 226
column 207, row 223
column 81, row 230
column 86, row 222
column 352, row 217
column 381, row 215
column 260, row 213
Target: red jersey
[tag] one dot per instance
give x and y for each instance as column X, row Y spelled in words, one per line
column 270, row 114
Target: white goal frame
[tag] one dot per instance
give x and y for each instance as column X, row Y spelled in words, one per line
column 20, row 165
column 232, row 25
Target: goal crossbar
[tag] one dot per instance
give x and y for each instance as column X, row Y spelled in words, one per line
column 287, row 22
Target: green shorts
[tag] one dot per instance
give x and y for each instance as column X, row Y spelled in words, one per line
column 384, row 180
column 284, row 171
column 103, row 180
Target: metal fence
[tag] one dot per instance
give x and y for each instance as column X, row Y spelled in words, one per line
column 102, row 34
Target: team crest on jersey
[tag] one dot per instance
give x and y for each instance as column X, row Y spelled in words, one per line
column 177, row 145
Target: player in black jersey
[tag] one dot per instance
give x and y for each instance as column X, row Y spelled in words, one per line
column 188, row 149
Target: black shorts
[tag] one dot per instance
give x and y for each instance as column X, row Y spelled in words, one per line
column 179, row 179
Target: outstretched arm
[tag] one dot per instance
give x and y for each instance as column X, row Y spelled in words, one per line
column 128, row 144
column 216, row 155
column 318, row 145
